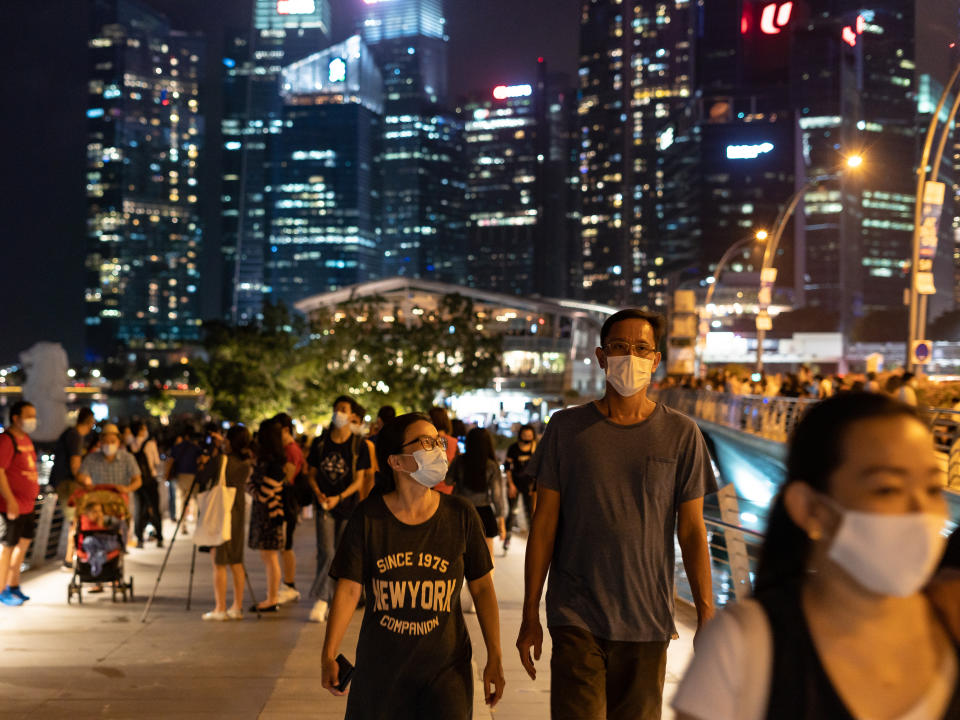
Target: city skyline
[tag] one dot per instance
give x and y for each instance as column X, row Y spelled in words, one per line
column 209, row 201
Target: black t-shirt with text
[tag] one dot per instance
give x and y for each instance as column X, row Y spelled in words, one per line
column 517, row 460
column 413, row 632
column 333, row 462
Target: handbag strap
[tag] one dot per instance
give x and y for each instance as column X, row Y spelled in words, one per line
column 223, row 471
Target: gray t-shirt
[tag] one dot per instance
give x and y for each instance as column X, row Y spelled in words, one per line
column 620, row 489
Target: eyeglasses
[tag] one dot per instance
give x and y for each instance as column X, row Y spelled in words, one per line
column 429, row 443
column 620, row 347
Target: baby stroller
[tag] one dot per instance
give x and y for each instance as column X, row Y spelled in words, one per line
column 100, row 531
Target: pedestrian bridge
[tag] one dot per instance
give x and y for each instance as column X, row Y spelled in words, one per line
column 747, row 436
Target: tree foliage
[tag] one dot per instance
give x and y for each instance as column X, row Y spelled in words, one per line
column 281, row 363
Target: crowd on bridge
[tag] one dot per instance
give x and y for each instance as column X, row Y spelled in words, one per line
column 804, row 384
column 856, row 605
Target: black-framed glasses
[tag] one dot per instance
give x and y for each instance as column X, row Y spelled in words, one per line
column 429, row 443
column 621, row 347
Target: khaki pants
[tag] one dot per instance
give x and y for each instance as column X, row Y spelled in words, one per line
column 592, row 678
column 184, row 481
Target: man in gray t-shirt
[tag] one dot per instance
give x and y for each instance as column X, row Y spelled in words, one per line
column 616, row 479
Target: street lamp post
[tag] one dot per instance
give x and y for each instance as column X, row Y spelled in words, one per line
column 768, row 273
column 918, row 302
column 759, row 236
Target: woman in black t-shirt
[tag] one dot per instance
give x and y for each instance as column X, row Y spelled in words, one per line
column 411, row 548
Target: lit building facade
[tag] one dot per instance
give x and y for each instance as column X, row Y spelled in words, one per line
column 520, row 216
column 854, row 89
column 325, row 191
column 424, row 183
column 636, row 72
column 283, row 32
column 548, row 344
column 144, row 136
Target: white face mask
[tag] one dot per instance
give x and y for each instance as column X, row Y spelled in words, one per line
column 29, row 425
column 110, row 449
column 341, row 419
column 431, row 467
column 356, row 429
column 629, row 374
column 892, row 555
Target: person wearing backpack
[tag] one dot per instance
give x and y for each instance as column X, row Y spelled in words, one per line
column 19, row 486
column 337, row 461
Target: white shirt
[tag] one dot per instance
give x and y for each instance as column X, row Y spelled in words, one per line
column 730, row 675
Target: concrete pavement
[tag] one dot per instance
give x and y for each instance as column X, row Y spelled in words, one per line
column 98, row 661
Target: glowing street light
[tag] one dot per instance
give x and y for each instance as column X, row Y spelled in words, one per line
column 761, row 235
column 854, row 161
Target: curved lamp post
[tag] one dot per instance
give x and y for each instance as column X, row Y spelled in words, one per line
column 918, row 302
column 768, row 273
column 704, row 328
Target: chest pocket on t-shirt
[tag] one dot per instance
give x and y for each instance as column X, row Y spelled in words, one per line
column 659, row 482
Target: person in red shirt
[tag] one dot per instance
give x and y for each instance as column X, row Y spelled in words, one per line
column 18, row 491
column 291, row 510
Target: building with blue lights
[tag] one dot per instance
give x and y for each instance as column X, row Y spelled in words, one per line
column 283, row 32
column 144, row 137
column 324, row 194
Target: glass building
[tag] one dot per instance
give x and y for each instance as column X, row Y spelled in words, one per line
column 325, row 191
column 283, row 32
column 521, row 214
column 144, row 136
column 636, row 72
column 424, row 184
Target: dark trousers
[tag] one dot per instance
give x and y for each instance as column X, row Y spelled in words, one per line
column 148, row 509
column 593, row 679
column 526, row 493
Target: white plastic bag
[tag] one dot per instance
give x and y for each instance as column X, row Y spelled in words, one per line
column 214, row 507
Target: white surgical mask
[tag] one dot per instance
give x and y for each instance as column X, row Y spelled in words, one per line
column 892, row 555
column 110, row 449
column 629, row 374
column 29, row 425
column 431, row 467
column 341, row 419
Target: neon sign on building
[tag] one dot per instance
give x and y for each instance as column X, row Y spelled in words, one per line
column 748, row 152
column 502, row 92
column 774, row 17
column 296, row 7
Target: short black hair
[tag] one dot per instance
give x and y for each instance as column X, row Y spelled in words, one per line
column 344, row 399
column 359, row 410
column 18, row 407
column 527, row 427
column 387, row 413
column 284, row 421
column 656, row 320
column 907, row 377
column 84, row 416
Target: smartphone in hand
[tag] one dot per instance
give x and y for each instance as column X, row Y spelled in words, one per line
column 345, row 672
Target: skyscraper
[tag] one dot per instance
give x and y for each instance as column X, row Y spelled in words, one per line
column 325, row 188
column 423, row 187
column 283, row 32
column 519, row 201
column 636, row 72
column 144, row 134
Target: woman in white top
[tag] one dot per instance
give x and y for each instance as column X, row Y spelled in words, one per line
column 839, row 627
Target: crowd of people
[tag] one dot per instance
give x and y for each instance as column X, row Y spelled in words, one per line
column 856, row 604
column 805, row 383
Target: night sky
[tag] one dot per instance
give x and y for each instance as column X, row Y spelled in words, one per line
column 42, row 83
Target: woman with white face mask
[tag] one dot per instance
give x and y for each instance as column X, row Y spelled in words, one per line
column 840, row 626
column 411, row 548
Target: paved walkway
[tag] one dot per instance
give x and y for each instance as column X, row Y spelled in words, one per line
column 98, row 661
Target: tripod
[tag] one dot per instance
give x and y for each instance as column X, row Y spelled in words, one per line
column 193, row 560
